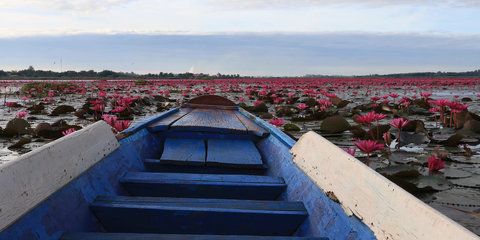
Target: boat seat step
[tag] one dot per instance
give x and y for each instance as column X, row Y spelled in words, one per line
column 188, row 185
column 157, row 165
column 146, row 236
column 198, row 216
column 211, row 153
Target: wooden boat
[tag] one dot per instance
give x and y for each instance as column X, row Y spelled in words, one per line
column 206, row 170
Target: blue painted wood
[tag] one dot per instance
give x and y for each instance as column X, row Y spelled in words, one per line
column 252, row 127
column 146, row 121
column 190, row 185
column 184, row 152
column 68, row 210
column 233, row 153
column 163, row 124
column 207, row 135
column 277, row 133
column 155, row 165
column 198, row 216
column 210, row 120
column 147, row 236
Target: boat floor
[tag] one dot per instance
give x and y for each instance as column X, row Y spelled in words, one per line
column 200, row 188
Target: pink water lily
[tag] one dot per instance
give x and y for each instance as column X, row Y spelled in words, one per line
column 68, row 131
column 399, row 123
column 121, row 125
column 302, row 106
column 277, row 122
column 22, row 114
column 434, row 163
column 350, row 151
column 368, row 146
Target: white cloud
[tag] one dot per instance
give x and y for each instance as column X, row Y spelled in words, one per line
column 76, row 6
column 369, row 3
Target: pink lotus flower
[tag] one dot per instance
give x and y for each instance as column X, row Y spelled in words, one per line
column 50, row 94
column 277, row 122
column 302, row 106
column 121, row 125
column 118, row 109
column 398, row 123
column 278, row 100
column 374, row 99
column 109, row 119
column 10, row 104
column 425, row 95
column 290, row 95
column 368, row 146
column 99, row 107
column 366, row 119
column 102, row 94
column 22, row 114
column 350, row 151
column 257, row 103
column 66, row 132
column 387, row 138
column 241, row 99
column 435, row 164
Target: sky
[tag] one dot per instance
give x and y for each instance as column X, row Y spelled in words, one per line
column 249, row 37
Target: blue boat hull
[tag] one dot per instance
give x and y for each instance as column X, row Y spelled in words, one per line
column 69, row 209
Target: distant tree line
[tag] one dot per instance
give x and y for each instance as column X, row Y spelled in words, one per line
column 439, row 74
column 31, row 73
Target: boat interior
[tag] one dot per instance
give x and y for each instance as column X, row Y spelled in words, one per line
column 206, row 170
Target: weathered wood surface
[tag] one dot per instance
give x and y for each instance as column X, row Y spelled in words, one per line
column 252, row 128
column 198, row 216
column 147, row 236
column 210, row 120
column 389, row 211
column 155, row 165
column 234, row 153
column 164, row 123
column 184, row 151
column 34, row 176
column 188, row 185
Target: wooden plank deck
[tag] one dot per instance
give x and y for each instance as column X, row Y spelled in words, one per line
column 184, row 152
column 164, row 123
column 252, row 128
column 210, row 120
column 233, row 153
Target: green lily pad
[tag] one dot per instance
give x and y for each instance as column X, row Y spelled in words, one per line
column 472, row 170
column 403, row 157
column 455, row 173
column 473, row 181
column 458, row 196
column 430, row 183
column 462, row 159
column 398, row 171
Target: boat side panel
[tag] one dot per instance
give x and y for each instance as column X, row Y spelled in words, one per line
column 33, row 177
column 281, row 136
column 326, row 217
column 68, row 209
column 390, row 211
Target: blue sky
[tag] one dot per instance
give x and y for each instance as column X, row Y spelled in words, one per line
column 252, row 37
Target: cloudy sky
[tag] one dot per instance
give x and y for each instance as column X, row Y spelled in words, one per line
column 251, row 37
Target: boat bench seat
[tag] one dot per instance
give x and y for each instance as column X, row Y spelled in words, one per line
column 190, row 185
column 146, row 236
column 198, row 216
column 211, row 153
